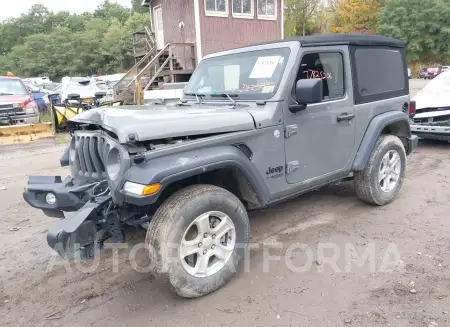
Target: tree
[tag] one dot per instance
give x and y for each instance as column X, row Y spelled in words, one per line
column 424, row 27
column 108, row 11
column 356, row 16
column 136, row 6
column 297, row 14
column 57, row 44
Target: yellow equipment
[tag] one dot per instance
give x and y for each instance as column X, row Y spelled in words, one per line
column 25, row 133
column 62, row 113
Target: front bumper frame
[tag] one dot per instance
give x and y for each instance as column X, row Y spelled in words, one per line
column 70, row 195
column 22, row 118
column 431, row 132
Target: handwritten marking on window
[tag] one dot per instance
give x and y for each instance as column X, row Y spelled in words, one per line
column 312, row 73
column 255, row 87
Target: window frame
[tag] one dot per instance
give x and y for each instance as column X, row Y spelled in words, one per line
column 217, row 13
column 344, row 74
column 362, row 99
column 265, row 16
column 250, row 15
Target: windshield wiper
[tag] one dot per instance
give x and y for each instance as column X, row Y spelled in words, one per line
column 197, row 96
column 226, row 95
column 6, row 94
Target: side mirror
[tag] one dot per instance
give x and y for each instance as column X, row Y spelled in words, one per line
column 73, row 96
column 100, row 94
column 307, row 91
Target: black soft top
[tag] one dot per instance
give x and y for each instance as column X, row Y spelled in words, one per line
column 346, row 39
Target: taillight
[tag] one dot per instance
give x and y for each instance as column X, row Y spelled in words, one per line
column 412, row 109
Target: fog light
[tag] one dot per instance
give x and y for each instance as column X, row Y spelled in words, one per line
column 50, row 198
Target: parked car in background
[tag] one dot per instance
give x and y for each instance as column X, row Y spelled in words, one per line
column 432, row 72
column 445, row 68
column 17, row 105
column 422, row 73
column 409, row 73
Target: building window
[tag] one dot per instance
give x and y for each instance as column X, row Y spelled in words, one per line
column 216, row 8
column 267, row 9
column 243, row 8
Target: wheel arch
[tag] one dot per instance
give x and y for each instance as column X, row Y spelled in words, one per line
column 393, row 123
column 229, row 167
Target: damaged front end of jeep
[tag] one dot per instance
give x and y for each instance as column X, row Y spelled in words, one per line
column 112, row 182
column 96, row 161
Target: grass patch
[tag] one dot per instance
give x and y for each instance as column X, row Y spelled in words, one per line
column 46, row 117
column 62, row 138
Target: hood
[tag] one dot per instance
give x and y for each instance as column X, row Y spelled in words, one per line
column 7, row 99
column 152, row 123
column 436, row 94
column 428, row 98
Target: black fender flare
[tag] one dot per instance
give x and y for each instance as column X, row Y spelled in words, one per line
column 373, row 131
column 175, row 167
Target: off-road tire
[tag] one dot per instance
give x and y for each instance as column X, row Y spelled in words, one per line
column 169, row 224
column 366, row 181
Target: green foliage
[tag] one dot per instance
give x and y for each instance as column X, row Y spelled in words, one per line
column 136, row 7
column 423, row 25
column 57, row 44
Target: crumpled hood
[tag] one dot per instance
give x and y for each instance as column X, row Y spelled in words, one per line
column 436, row 94
column 430, row 99
column 158, row 122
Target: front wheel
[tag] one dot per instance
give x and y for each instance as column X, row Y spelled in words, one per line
column 381, row 180
column 197, row 239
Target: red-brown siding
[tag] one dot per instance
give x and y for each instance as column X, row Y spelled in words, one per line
column 224, row 33
column 174, row 12
column 217, row 33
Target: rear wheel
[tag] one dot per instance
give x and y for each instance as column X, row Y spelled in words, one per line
column 381, row 180
column 197, row 239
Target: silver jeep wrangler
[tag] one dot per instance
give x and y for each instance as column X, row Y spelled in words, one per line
column 255, row 126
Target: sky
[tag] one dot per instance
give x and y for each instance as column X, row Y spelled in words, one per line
column 15, row 8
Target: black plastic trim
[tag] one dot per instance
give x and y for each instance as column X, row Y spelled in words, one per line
column 374, row 130
column 176, row 167
column 69, row 197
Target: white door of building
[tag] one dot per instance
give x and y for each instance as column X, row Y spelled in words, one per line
column 159, row 28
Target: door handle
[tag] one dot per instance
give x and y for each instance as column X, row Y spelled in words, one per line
column 345, row 116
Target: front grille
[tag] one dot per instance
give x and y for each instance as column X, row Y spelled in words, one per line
column 90, row 154
column 9, row 110
column 433, row 121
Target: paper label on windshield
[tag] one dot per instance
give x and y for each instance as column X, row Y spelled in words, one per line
column 268, row 88
column 265, row 67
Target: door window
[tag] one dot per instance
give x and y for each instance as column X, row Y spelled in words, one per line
column 329, row 67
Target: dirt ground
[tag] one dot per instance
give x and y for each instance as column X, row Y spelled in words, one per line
column 405, row 280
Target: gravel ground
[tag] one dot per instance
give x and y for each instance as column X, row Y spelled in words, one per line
column 404, row 279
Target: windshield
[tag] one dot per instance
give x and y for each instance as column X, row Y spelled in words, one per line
column 12, row 87
column 247, row 76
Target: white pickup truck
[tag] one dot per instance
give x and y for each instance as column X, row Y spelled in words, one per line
column 432, row 118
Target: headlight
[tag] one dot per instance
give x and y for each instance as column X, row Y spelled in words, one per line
column 18, row 105
column 140, row 189
column 31, row 107
column 113, row 161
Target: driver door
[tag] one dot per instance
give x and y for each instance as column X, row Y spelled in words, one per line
column 320, row 139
